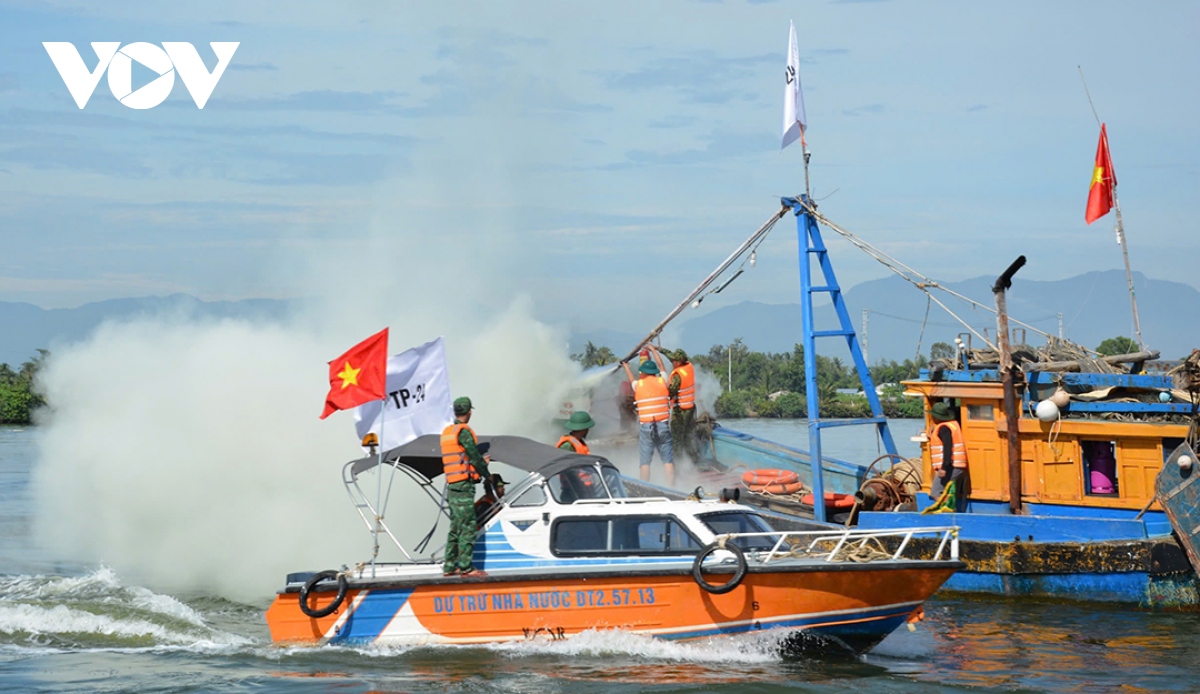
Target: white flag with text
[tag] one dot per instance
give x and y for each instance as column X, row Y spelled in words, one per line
column 418, row 398
column 794, row 120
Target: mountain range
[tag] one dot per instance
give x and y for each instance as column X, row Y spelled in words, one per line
column 1092, row 307
column 900, row 320
column 25, row 328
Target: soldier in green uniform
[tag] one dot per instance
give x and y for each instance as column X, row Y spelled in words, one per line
column 464, row 467
column 682, row 389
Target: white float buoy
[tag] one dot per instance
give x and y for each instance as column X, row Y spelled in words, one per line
column 1185, row 462
column 1046, row 411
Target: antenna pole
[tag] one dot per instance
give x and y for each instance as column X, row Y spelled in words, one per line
column 864, row 335
column 807, row 157
column 1120, row 229
column 1089, row 95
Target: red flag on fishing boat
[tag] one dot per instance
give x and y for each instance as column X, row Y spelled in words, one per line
column 358, row 376
column 1104, row 180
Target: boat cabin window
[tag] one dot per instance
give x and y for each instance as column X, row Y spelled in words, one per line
column 622, row 535
column 586, row 482
column 1168, row 447
column 1100, row 467
column 980, row 413
column 534, row 496
column 741, row 522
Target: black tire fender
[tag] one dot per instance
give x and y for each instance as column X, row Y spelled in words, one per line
column 738, row 573
column 313, row 581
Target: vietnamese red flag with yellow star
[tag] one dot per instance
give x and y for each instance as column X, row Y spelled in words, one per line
column 358, row 376
column 1104, row 180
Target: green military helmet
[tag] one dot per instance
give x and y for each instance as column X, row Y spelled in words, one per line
column 579, row 421
column 941, row 412
column 648, row 367
column 462, row 406
column 680, row 356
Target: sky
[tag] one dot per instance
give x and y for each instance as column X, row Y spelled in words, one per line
column 600, row 158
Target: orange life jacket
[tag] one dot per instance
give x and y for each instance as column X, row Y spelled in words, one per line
column 958, row 456
column 653, row 400
column 686, row 397
column 579, row 446
column 454, row 457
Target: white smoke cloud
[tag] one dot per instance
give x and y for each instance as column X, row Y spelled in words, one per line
column 188, row 455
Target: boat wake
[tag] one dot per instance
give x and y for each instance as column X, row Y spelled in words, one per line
column 96, row 611
column 758, row 648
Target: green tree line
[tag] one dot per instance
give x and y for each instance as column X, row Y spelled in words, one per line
column 773, row 384
column 767, row 384
column 18, row 395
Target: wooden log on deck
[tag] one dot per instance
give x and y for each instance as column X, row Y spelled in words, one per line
column 1134, row 357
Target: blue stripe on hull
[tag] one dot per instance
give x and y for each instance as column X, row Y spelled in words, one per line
column 373, row 614
column 1174, row 591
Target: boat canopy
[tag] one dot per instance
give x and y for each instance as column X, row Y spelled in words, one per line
column 424, row 456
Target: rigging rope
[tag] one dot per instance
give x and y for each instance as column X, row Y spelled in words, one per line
column 915, row 278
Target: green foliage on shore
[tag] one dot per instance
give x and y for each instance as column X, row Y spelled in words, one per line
column 594, row 356
column 773, row 385
column 1118, row 345
column 18, row 394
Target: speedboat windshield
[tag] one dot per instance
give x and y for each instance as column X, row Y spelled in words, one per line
column 586, row 482
column 730, row 522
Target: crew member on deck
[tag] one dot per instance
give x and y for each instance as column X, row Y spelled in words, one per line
column 578, row 427
column 464, row 467
column 654, row 409
column 682, row 389
column 949, row 456
column 490, row 497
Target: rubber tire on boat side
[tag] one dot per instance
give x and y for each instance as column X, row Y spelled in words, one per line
column 331, row 607
column 738, row 574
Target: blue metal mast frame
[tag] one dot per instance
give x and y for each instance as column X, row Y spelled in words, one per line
column 811, row 244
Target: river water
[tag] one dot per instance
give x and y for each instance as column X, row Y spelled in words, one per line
column 66, row 627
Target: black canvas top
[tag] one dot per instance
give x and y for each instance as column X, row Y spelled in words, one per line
column 424, row 454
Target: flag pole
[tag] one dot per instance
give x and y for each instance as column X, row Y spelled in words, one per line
column 807, row 157
column 1120, row 229
column 379, row 486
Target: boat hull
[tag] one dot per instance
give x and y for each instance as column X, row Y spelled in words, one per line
column 855, row 605
column 1113, row 558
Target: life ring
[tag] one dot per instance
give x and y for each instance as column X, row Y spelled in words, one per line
column 765, row 476
column 775, row 488
column 739, row 571
column 832, row 500
column 314, row 580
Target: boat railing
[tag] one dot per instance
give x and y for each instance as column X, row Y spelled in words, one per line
column 621, row 500
column 370, row 515
column 853, row 544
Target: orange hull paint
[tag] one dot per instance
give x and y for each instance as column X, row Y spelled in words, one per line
column 672, row 606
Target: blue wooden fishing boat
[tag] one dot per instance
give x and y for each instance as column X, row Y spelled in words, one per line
column 1061, row 496
column 1087, row 522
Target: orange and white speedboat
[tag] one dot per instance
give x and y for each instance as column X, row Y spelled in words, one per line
column 569, row 549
